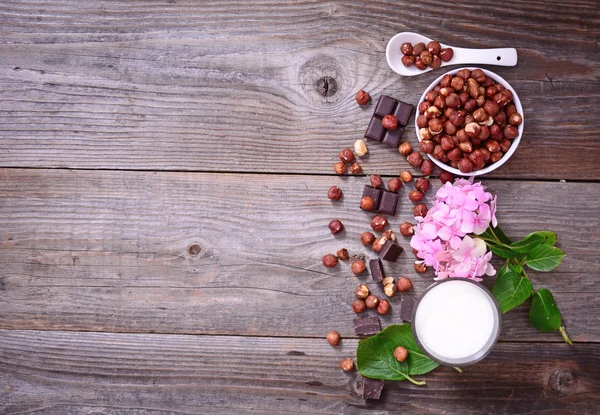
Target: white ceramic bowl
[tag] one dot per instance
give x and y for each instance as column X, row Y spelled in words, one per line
column 514, row 144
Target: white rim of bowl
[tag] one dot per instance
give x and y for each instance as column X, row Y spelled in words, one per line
column 515, row 142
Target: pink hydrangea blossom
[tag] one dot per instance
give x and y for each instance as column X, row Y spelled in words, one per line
column 442, row 238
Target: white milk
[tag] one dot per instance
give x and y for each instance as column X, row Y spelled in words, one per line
column 456, row 321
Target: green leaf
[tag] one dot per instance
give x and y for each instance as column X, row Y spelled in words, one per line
column 544, row 258
column 375, row 356
column 503, row 251
column 544, row 314
column 510, row 288
column 534, row 239
column 501, row 235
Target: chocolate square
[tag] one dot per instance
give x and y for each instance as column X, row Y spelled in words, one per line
column 371, row 388
column 385, row 106
column 388, row 203
column 376, row 268
column 375, row 129
column 375, row 194
column 365, row 326
column 393, row 137
column 391, row 251
column 406, row 308
column 403, row 111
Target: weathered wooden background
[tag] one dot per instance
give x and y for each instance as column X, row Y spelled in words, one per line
column 163, row 211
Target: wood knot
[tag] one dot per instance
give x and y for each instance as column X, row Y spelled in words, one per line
column 194, row 249
column 327, row 86
column 562, row 381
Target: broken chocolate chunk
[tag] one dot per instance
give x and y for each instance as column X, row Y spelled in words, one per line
column 391, row 251
column 366, row 326
column 385, row 106
column 371, row 388
column 406, row 308
column 375, row 129
column 376, row 268
column 403, row 112
column 388, row 203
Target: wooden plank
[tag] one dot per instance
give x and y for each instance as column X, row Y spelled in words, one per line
column 239, row 254
column 208, row 87
column 71, row 372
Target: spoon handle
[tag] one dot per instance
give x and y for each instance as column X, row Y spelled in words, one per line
column 499, row 57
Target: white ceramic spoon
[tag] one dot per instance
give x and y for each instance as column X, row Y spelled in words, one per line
column 462, row 56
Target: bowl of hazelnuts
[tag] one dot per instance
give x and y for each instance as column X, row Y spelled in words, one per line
column 469, row 121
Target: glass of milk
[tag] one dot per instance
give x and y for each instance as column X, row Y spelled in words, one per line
column 456, row 321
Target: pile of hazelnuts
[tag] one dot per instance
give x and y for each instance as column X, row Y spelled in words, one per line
column 468, row 120
column 422, row 55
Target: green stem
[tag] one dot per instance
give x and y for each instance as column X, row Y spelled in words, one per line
column 565, row 335
column 458, row 369
column 415, row 382
column 494, row 235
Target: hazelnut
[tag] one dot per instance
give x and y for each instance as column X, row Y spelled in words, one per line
column 449, row 128
column 491, row 107
column 476, row 158
column 435, row 127
column 490, row 92
column 457, row 83
column 434, row 47
column 387, row 280
column 360, row 148
column 505, row 145
column 446, row 176
column 457, row 119
column 446, row 80
column 427, row 167
column 384, row 306
column 453, row 101
column 447, row 143
column 378, row 223
column 420, row 64
column 478, row 75
column 376, row 181
column 405, row 176
column 415, row 159
column 390, row 122
column 472, row 129
column 465, row 165
column 422, row 122
column 388, row 235
column 408, row 61
column 420, row 210
column 496, row 132
column 400, row 353
column 357, row 266
column 496, row 156
column 405, row 148
column 436, row 62
column 334, row 338
column 464, row 74
column 438, row 152
column 372, row 301
column 426, row 146
column 394, row 184
column 404, row 284
column 486, row 153
column 339, row 167
column 503, row 97
column 446, row 91
column 425, row 134
column 469, row 118
column 361, row 291
column 470, row 105
column 342, row 254
column 472, row 88
column 378, row 244
column 359, row 306
column 334, row 193
column 418, row 48
column 367, row 238
column 431, row 95
column 347, row 364
column 330, row 260
column 367, row 203
column 432, row 112
column 466, row 147
column 424, row 105
column 416, row 253
column 515, row 119
column 499, row 87
column 390, row 289
column 510, row 110
column 335, row 226
column 510, row 132
column 420, row 267
column 464, row 97
column 454, row 155
column 362, row 97
column 415, row 195
column 422, row 184
column 480, row 115
column 484, row 134
column 426, row 57
column 446, row 54
column 406, row 48
column 488, row 82
column 355, row 168
column 440, row 102
column 480, row 100
column 407, row 229
column 492, row 146
column 346, row 155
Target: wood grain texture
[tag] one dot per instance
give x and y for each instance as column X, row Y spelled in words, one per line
column 210, row 87
column 239, row 254
column 105, row 373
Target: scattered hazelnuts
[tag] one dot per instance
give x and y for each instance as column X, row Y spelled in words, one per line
column 422, row 184
column 404, row 284
column 359, row 306
column 405, row 148
column 422, row 55
column 334, row 193
column 339, row 167
column 446, row 177
column 355, row 168
column 372, row 301
column 342, row 254
column 362, row 97
column 394, row 184
column 367, row 238
column 407, row 229
column 390, row 289
column 360, row 148
column 335, row 226
column 378, row 223
column 427, row 167
column 334, row 338
column 415, row 159
column 388, row 235
column 383, row 308
column 346, row 155
column 406, row 176
column 378, row 244
column 416, row 195
column 420, row 267
column 361, row 291
column 330, row 260
column 400, row 353
column 376, row 181
column 347, row 364
column 367, row 203
column 390, row 122
column 420, row 210
column 358, row 267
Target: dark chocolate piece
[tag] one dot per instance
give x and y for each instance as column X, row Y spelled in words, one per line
column 385, row 106
column 393, row 137
column 391, row 251
column 365, row 326
column 371, row 388
column 403, row 112
column 406, row 308
column 375, row 129
column 375, row 194
column 376, row 268
column 388, row 202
